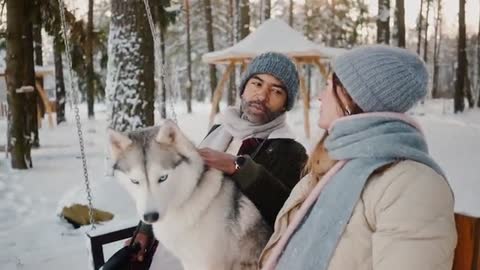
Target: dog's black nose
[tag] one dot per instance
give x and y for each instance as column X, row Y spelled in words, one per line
column 151, row 217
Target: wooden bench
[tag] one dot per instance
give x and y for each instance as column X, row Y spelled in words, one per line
column 467, row 251
column 466, row 254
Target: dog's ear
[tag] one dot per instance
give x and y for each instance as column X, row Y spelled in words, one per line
column 168, row 133
column 118, row 143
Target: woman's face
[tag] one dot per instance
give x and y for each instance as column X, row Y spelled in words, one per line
column 330, row 109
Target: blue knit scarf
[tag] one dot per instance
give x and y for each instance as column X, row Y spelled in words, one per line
column 367, row 142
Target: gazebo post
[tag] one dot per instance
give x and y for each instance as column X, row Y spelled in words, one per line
column 219, row 91
column 306, row 100
column 244, row 67
column 43, row 96
column 321, row 67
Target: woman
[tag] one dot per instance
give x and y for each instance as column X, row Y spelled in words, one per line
column 373, row 199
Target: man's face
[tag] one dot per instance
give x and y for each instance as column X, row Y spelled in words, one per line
column 263, row 99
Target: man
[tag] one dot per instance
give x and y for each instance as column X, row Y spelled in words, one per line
column 253, row 144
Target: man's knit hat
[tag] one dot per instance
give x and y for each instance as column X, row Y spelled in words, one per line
column 380, row 78
column 279, row 66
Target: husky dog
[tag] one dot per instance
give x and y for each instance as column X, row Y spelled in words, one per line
column 197, row 213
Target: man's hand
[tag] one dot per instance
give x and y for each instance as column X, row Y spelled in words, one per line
column 218, row 160
column 144, row 241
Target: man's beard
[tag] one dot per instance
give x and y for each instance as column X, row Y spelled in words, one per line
column 266, row 117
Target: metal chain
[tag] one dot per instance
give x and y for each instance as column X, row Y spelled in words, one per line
column 156, row 43
column 74, row 93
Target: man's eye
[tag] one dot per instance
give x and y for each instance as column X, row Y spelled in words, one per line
column 278, row 92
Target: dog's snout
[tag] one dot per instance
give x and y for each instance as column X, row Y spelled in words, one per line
column 151, row 217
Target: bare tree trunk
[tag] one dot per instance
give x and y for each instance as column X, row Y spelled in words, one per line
column 478, row 65
column 130, row 83
column 267, row 9
column 89, row 63
column 420, row 27
column 231, row 95
column 189, row 58
column 459, row 103
column 290, row 13
column 425, row 44
column 29, row 78
column 38, row 57
column 468, row 89
column 436, row 48
column 400, row 23
column 163, row 106
column 244, row 18
column 383, row 22
column 210, row 45
column 19, row 77
column 332, row 29
column 59, row 81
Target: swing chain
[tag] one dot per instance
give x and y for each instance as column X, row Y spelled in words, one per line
column 75, row 95
column 156, row 43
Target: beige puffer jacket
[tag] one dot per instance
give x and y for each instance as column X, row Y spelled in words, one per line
column 404, row 220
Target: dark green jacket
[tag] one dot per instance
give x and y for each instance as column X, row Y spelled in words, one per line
column 269, row 175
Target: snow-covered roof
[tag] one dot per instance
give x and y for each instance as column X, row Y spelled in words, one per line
column 273, row 35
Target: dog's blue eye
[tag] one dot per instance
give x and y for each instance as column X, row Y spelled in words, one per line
column 136, row 182
column 162, row 178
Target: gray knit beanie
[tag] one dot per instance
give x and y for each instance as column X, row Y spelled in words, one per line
column 380, row 78
column 277, row 65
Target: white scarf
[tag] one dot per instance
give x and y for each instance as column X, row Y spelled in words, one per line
column 233, row 126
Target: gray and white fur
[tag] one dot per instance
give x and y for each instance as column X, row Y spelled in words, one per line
column 197, row 213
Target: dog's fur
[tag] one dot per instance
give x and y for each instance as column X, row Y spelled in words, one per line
column 197, row 213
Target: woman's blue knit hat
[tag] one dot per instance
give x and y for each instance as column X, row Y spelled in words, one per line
column 380, row 78
column 279, row 66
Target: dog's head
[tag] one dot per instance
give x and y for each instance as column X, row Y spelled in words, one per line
column 158, row 166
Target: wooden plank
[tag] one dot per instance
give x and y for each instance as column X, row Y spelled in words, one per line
column 97, row 242
column 219, row 91
column 467, row 250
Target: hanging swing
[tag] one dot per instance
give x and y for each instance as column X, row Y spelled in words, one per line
column 121, row 259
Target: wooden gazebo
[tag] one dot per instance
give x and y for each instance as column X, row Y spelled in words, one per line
column 40, row 73
column 273, row 35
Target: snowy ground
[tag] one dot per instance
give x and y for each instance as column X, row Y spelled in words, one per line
column 34, row 237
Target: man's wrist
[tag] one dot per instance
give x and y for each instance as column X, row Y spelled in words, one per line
column 238, row 162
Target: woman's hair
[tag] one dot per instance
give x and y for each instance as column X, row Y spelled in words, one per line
column 347, row 109
column 315, row 163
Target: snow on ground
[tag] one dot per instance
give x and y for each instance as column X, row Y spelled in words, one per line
column 34, row 237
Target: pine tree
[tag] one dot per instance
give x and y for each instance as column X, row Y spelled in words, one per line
column 89, row 62
column 399, row 32
column 38, row 58
column 478, row 65
column 20, row 81
column 383, row 22
column 130, row 79
column 436, row 47
column 459, row 103
column 425, row 39
column 420, row 27
column 189, row 59
column 210, row 44
column 59, row 80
